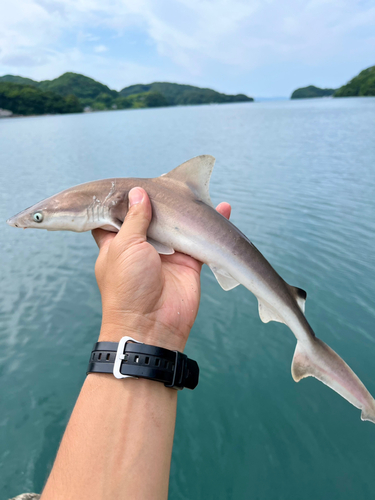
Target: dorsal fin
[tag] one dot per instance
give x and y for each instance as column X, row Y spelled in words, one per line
column 196, row 174
column 300, row 296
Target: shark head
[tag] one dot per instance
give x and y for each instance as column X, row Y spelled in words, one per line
column 80, row 208
column 47, row 214
column 33, row 217
column 62, row 211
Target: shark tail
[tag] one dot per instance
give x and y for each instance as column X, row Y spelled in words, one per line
column 316, row 359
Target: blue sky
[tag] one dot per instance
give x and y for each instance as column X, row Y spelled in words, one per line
column 262, row 48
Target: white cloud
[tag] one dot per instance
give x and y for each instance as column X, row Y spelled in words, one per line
column 238, row 35
column 25, row 29
column 243, row 33
column 100, row 48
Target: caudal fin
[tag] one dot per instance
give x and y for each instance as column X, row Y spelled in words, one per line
column 316, row 359
column 370, row 416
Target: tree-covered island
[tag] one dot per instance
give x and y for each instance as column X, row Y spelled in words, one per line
column 311, row 91
column 74, row 93
column 363, row 85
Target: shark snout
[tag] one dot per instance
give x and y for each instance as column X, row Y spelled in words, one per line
column 22, row 219
column 14, row 221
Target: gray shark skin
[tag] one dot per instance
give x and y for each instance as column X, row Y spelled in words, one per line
column 185, row 220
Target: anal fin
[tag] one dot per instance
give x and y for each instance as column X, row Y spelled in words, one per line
column 224, row 279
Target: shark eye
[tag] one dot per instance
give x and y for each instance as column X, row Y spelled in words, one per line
column 38, row 217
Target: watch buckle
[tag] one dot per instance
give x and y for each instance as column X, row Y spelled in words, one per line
column 120, row 356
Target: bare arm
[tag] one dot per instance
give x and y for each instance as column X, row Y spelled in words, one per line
column 118, row 442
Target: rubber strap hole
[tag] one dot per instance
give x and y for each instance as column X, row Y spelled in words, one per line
column 99, row 355
column 107, row 357
column 147, row 360
column 157, row 362
column 136, row 359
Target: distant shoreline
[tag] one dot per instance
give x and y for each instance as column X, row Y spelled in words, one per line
column 127, row 109
column 263, row 100
column 75, row 93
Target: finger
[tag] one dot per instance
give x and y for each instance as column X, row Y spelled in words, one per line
column 224, row 209
column 137, row 220
column 102, row 237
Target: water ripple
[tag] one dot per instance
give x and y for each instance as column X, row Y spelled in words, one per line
column 300, row 178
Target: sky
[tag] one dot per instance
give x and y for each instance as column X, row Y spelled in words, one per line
column 263, row 48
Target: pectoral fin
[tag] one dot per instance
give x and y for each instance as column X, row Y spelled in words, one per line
column 113, row 225
column 160, row 247
column 224, row 279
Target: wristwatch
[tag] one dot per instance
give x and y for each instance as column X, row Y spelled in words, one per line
column 134, row 359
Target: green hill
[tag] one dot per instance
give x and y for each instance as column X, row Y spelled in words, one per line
column 74, row 92
column 29, row 100
column 361, row 85
column 311, row 91
column 81, row 86
column 18, row 79
column 176, row 94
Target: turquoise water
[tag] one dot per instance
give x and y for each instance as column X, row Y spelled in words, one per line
column 301, row 179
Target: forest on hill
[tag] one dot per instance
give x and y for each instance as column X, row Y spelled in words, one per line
column 363, row 85
column 74, row 93
column 311, row 91
column 176, row 94
column 26, row 100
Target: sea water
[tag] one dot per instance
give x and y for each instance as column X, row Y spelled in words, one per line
column 300, row 176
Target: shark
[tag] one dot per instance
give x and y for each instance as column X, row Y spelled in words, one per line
column 185, row 220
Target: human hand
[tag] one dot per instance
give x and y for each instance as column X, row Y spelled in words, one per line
column 151, row 297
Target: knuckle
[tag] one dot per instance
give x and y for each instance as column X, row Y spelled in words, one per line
column 134, row 240
column 138, row 213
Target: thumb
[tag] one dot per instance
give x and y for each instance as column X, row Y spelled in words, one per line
column 137, row 220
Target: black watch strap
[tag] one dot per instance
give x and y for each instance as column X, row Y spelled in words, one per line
column 130, row 358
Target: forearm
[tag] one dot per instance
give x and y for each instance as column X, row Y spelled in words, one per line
column 118, row 442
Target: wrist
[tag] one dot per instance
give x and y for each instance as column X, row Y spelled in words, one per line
column 131, row 358
column 152, row 334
